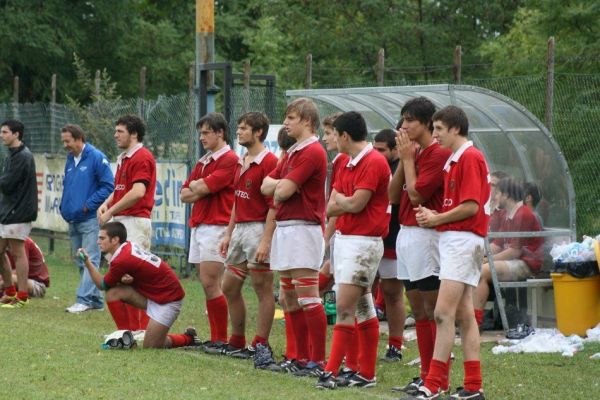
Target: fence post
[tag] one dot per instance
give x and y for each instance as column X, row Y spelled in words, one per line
column 142, row 92
column 549, row 85
column 15, row 99
column 380, row 66
column 457, row 65
column 52, row 114
column 191, row 150
column 246, row 87
column 308, row 82
column 97, row 83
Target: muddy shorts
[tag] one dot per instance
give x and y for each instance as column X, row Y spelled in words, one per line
column 357, row 259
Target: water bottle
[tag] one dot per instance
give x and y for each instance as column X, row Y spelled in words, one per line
column 330, row 310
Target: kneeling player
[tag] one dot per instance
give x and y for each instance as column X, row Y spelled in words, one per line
column 360, row 201
column 141, row 279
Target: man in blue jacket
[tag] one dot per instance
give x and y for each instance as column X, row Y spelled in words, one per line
column 88, row 182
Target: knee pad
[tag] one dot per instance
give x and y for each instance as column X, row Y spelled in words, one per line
column 237, row 272
column 365, row 309
column 305, row 282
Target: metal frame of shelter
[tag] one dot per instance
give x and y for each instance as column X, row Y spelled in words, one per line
column 509, row 136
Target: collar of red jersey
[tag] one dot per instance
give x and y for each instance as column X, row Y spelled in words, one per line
column 353, row 162
column 214, row 156
column 129, row 153
column 257, row 160
column 117, row 252
column 299, row 146
column 457, row 154
column 513, row 211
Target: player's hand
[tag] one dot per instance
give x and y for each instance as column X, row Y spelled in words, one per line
column 104, row 217
column 262, row 251
column 425, row 217
column 405, row 146
column 224, row 246
column 83, row 254
column 101, row 210
column 127, row 279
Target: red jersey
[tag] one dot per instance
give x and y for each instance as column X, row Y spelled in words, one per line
column 136, row 165
column 522, row 219
column 466, row 178
column 339, row 162
column 496, row 219
column 368, row 170
column 250, row 204
column 38, row 270
column 429, row 164
column 218, row 170
column 152, row 277
column 305, row 164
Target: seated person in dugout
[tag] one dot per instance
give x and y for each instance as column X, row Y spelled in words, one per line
column 38, row 278
column 515, row 259
column 142, row 280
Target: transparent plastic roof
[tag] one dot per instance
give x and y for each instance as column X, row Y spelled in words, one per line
column 512, row 139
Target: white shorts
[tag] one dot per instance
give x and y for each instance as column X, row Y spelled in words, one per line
column 139, row 230
column 297, row 244
column 357, row 259
column 388, row 268
column 516, row 270
column 205, row 243
column 244, row 242
column 418, row 253
column 461, row 257
column 164, row 314
column 15, row 231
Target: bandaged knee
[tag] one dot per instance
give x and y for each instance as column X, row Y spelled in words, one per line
column 365, row 309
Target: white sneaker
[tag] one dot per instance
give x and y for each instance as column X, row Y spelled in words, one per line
column 78, row 308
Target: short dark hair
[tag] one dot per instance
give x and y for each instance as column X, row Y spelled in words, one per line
column 257, row 121
column 134, row 124
column 75, row 130
column 532, row 189
column 499, row 174
column 284, row 140
column 512, row 187
column 115, row 229
column 217, row 122
column 353, row 124
column 387, row 136
column 419, row 108
column 453, row 117
column 15, row 127
column 330, row 119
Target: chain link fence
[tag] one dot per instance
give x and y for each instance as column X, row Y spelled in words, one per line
column 172, row 136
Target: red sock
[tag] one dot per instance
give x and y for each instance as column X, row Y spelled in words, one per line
column 425, row 342
column 143, row 320
column 352, row 352
column 290, row 339
column 237, row 341
column 445, row 384
column 473, row 378
column 479, row 316
column 180, row 340
column 368, row 334
column 10, row 291
column 395, row 341
column 119, row 314
column 437, row 370
column 259, row 339
column 300, row 334
column 22, row 295
column 133, row 315
column 217, row 311
column 323, row 281
column 317, row 331
column 342, row 339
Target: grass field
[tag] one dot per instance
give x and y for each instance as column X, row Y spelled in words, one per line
column 50, row 354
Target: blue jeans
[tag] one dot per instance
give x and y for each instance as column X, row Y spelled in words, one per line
column 85, row 234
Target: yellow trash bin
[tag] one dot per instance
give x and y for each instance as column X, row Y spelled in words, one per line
column 577, row 303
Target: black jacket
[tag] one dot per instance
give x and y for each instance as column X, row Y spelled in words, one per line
column 18, row 188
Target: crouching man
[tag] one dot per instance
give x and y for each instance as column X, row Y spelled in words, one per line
column 142, row 280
